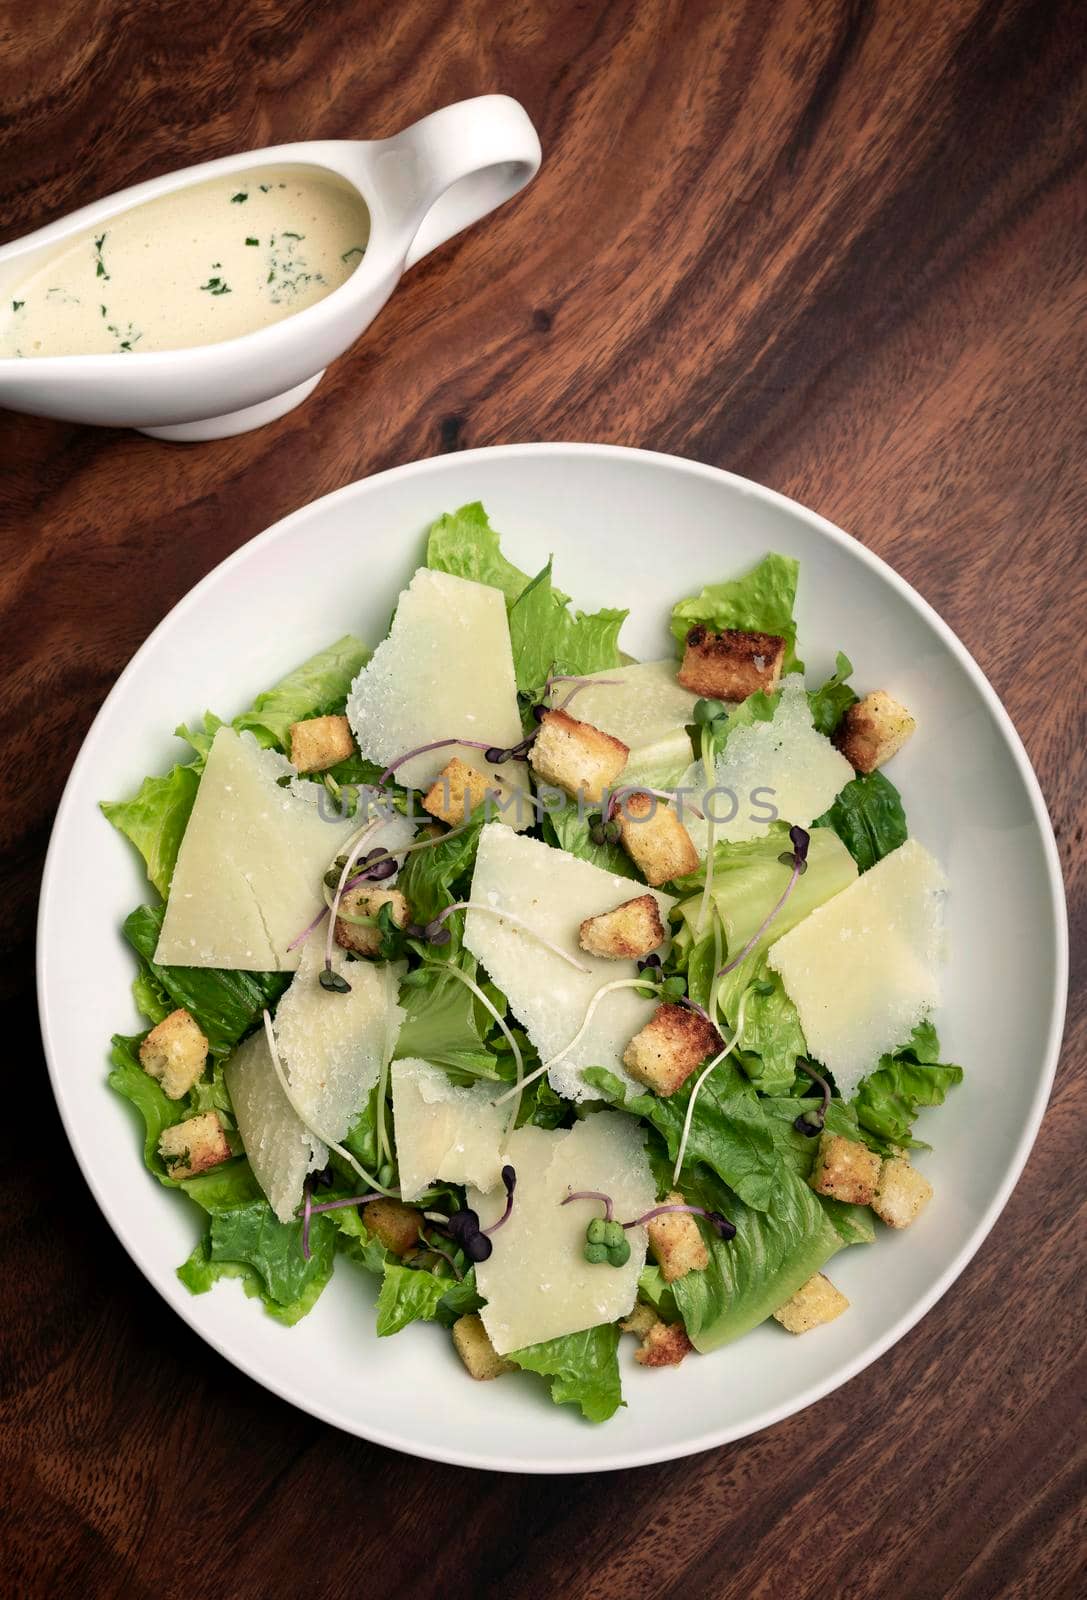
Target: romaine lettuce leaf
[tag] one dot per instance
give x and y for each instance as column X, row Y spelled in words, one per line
column 569, row 831
column 829, row 702
column 155, row 820
column 868, row 818
column 225, row 1004
column 464, row 543
column 441, row 1025
column 761, row 601
column 888, row 1100
column 317, row 688
column 129, row 1079
column 583, row 1369
column 729, row 1131
column 407, row 1296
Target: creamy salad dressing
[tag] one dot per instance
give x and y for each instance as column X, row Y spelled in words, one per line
column 206, row 263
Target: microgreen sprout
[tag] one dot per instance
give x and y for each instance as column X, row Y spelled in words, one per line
column 545, row 1066
column 616, row 798
column 509, row 1178
column 327, row 976
column 810, row 1123
column 464, row 1230
column 436, row 933
column 708, row 778
column 591, row 1194
column 310, row 1210
column 432, row 1249
column 721, row 1224
column 797, row 858
column 669, row 989
column 741, row 1011
column 604, row 1242
column 424, row 749
column 579, row 684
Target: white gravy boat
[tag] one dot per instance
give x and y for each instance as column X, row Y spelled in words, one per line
column 421, row 186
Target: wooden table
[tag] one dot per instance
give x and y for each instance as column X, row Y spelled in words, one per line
column 828, row 245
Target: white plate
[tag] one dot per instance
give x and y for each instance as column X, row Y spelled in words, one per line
column 633, row 529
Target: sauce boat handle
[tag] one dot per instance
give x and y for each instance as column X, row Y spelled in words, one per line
column 451, row 168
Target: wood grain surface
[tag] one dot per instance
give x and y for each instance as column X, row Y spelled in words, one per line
column 835, row 246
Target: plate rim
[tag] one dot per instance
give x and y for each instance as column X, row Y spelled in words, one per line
column 713, row 1438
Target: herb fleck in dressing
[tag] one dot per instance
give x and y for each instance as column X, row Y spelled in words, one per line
column 207, row 263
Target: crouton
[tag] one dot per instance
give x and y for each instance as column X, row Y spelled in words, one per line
column 477, row 1352
column 628, row 933
column 193, row 1146
column 665, row 1345
column 669, row 1048
column 640, row 1321
column 901, row 1193
column 393, row 1224
column 575, row 756
column 456, row 792
column 320, row 742
column 364, row 938
column 655, row 839
column 174, row 1053
column 675, row 1242
column 731, row 665
column 873, row 730
column 815, row 1302
column 845, row 1170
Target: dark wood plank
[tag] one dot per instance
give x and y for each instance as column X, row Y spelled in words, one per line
column 834, row 245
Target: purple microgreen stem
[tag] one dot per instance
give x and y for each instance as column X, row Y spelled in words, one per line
column 591, row 1194
column 616, row 798
column 509, row 1178
column 799, row 860
column 423, row 749
column 725, row 1228
column 579, row 684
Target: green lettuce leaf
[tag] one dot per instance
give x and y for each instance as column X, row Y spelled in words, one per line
column 129, row 1079
column 729, row 1131
column 156, row 818
column 318, row 688
column 829, row 702
column 868, row 818
column 652, row 1287
column 545, row 638
column 464, row 543
column 583, row 1369
column 442, row 1025
column 569, row 831
column 407, row 1296
column 225, row 1004
column 429, row 877
column 887, row 1101
column 761, row 601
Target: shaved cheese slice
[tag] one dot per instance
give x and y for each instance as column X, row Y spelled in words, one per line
column 445, row 671
column 779, row 770
column 248, row 874
column 863, row 969
column 553, row 892
column 333, row 1046
column 280, row 1147
column 643, row 705
column 444, row 1131
column 536, row 1281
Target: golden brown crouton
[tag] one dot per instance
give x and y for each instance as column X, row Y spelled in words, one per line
column 365, row 937
column 456, row 792
column 193, row 1146
column 675, row 1242
column 815, row 1302
column 628, row 933
column 665, row 1345
column 873, row 730
column 655, row 839
column 320, row 742
column 394, row 1224
column 845, row 1170
column 640, row 1321
column 731, row 665
column 669, row 1048
column 901, row 1193
column 476, row 1350
column 575, row 756
column 174, row 1052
